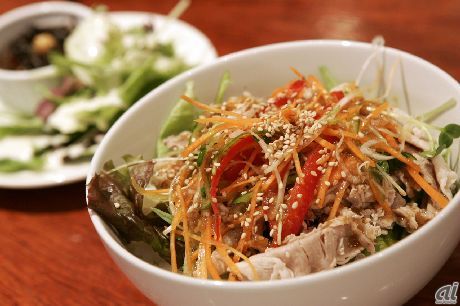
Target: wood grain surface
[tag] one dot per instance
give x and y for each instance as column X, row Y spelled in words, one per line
column 50, row 253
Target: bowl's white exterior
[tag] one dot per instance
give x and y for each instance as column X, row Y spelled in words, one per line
column 22, row 90
column 388, row 278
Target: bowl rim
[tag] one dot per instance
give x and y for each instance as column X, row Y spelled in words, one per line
column 365, row 263
column 30, row 11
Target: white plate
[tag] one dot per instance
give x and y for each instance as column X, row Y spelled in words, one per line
column 190, row 44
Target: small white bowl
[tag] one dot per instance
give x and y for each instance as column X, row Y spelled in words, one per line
column 23, row 89
column 389, row 277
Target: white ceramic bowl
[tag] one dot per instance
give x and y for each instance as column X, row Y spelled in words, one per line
column 23, row 89
column 387, row 278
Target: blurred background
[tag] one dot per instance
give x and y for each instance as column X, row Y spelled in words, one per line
column 51, row 254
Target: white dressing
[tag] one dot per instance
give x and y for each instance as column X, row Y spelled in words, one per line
column 86, row 44
column 66, row 118
column 23, row 147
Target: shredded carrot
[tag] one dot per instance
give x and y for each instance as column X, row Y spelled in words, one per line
column 353, row 148
column 250, row 160
column 297, row 72
column 209, row 264
column 172, row 241
column 379, row 198
column 201, row 270
column 315, row 82
column 325, row 143
column 377, row 111
column 231, row 249
column 323, row 187
column 172, row 249
column 339, row 133
column 298, row 168
column 194, row 255
column 229, row 262
column 391, row 141
column 243, row 123
column 146, row 192
column 253, row 208
column 210, row 108
column 430, row 190
column 193, row 146
column 272, row 177
column 188, row 258
column 351, row 112
column 397, row 155
column 338, row 200
column 237, row 184
column 277, row 91
column 248, row 230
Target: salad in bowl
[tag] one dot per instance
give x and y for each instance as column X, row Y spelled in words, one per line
column 108, row 61
column 303, row 176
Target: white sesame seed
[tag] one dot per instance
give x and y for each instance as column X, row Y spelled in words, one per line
column 243, row 235
column 259, row 194
column 299, row 195
column 295, row 204
column 265, row 218
column 246, row 223
column 327, row 183
column 214, row 200
column 272, row 199
column 284, row 206
column 272, row 231
column 313, row 173
column 265, row 207
column 343, row 174
column 116, row 204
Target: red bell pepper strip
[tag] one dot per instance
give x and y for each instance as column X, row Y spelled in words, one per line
column 295, row 213
column 295, row 86
column 338, row 95
column 231, row 154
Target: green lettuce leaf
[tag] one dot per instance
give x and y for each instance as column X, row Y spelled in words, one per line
column 180, row 119
column 10, row 165
column 224, row 83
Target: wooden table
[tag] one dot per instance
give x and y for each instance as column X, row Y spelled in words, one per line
column 50, row 253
